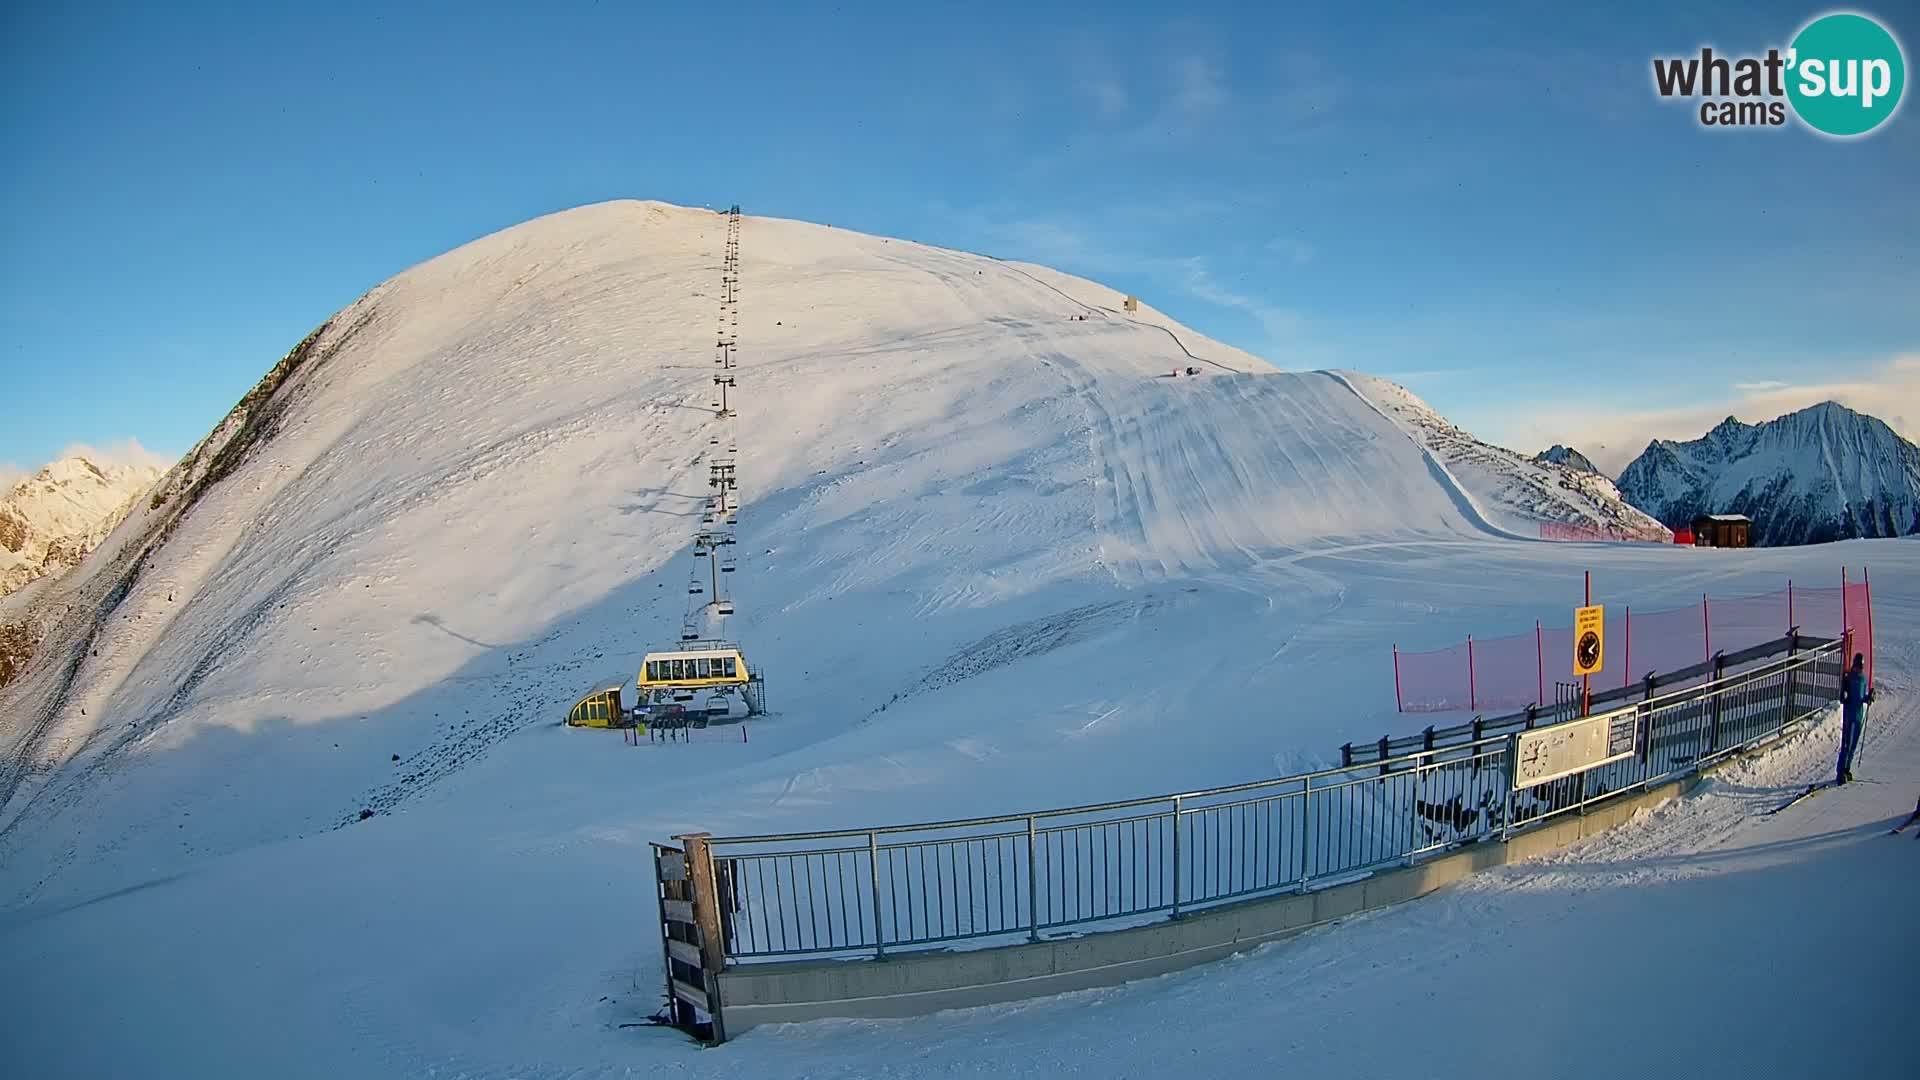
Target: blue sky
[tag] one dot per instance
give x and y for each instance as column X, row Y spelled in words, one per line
column 1492, row 207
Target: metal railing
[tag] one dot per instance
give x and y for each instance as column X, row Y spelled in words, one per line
column 997, row 879
column 1543, row 713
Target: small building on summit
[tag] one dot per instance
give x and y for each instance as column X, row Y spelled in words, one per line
column 1723, row 530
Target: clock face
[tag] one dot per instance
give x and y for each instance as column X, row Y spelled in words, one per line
column 1588, row 650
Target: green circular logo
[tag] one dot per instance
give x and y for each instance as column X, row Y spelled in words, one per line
column 1846, row 73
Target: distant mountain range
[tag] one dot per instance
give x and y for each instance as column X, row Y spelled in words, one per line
column 1568, row 456
column 52, row 519
column 1823, row 473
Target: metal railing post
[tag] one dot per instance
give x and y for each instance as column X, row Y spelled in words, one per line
column 1513, row 767
column 873, row 868
column 1713, row 729
column 1306, row 833
column 1413, row 799
column 1033, row 886
column 1176, row 856
column 1792, row 710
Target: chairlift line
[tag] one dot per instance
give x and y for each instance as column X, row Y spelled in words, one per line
column 697, row 663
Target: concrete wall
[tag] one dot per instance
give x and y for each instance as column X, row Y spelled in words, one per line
column 911, row 984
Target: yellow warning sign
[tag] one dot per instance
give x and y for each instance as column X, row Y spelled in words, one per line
column 1589, row 639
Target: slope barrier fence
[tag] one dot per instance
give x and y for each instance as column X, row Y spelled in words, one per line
column 1183, row 877
column 1519, row 671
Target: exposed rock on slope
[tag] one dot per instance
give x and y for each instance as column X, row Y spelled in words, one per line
column 1568, row 456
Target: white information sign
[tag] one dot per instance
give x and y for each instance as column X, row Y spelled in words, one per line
column 1550, row 753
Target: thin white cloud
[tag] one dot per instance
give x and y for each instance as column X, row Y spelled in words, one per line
column 1613, row 438
column 1108, row 96
column 118, row 452
column 1428, row 375
column 1200, row 85
column 1094, row 77
column 1293, row 249
column 126, row 451
column 1280, row 323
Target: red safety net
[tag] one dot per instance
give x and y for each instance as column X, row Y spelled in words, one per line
column 1518, row 670
column 1434, row 681
column 1859, row 609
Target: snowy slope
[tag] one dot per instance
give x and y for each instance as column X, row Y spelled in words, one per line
column 49, row 521
column 1515, row 493
column 491, row 929
column 468, row 498
column 1067, row 576
column 1823, row 473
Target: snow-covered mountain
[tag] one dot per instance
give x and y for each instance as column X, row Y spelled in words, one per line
column 485, row 474
column 1823, row 473
column 1568, row 456
column 1520, row 496
column 52, row 519
column 972, row 491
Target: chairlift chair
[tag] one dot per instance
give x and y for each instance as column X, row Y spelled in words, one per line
column 695, row 590
column 723, row 607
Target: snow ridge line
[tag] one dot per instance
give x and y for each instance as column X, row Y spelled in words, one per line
column 1462, row 498
column 1100, row 307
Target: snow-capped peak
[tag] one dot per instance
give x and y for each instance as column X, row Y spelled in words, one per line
column 52, row 519
column 1568, row 456
column 1823, row 473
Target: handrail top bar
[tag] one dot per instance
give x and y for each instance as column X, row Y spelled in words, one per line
column 1815, row 646
column 1305, row 779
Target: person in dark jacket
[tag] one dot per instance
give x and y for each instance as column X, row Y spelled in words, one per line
column 1855, row 696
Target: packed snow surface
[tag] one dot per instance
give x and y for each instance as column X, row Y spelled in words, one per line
column 994, row 557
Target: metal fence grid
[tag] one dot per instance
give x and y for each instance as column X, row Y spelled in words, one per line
column 996, row 879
